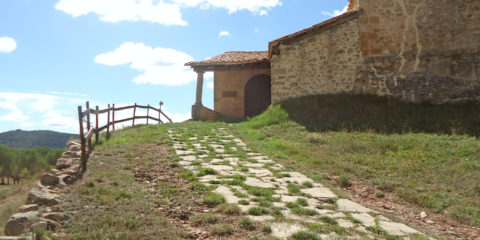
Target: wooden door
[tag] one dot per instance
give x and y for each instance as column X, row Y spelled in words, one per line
column 257, row 95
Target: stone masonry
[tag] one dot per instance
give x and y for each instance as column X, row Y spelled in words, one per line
column 415, row 50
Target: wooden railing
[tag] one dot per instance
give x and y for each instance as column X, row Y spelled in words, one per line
column 86, row 137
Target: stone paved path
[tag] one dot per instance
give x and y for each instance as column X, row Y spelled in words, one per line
column 289, row 201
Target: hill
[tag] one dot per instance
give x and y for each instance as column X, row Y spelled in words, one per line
column 20, row 139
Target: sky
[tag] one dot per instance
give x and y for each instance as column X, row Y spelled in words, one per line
column 57, row 54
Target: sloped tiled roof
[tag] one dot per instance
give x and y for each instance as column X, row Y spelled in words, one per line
column 323, row 26
column 233, row 58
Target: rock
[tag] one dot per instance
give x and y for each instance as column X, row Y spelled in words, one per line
column 49, row 180
column 63, row 163
column 285, row 230
column 55, row 172
column 349, row 206
column 52, row 225
column 28, row 208
column 18, row 223
column 68, row 179
column 423, row 215
column 56, row 216
column 41, row 196
column 74, row 148
column 13, row 238
column 430, row 221
column 39, row 225
column 397, row 229
column 319, row 192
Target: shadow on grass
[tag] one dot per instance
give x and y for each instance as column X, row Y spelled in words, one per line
column 382, row 115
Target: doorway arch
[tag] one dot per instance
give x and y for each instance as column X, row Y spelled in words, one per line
column 257, row 95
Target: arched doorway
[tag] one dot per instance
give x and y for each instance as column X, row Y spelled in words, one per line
column 257, row 95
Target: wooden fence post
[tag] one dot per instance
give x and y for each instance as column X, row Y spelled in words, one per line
column 88, row 128
column 113, row 117
column 108, row 120
column 160, row 112
column 96, row 124
column 82, row 139
column 134, row 110
column 148, row 112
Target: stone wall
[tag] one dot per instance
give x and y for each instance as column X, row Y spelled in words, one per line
column 229, row 92
column 415, row 50
column 323, row 63
column 420, row 50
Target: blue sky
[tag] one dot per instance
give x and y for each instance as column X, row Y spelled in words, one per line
column 56, row 54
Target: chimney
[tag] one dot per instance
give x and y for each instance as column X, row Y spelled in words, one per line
column 354, row 4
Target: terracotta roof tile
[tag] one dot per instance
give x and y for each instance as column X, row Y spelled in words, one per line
column 233, row 58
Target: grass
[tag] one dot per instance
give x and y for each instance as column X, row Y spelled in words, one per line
column 110, row 202
column 221, row 229
column 258, row 211
column 229, row 209
column 247, row 224
column 204, row 219
column 302, row 235
column 422, row 164
column 12, row 197
column 213, row 199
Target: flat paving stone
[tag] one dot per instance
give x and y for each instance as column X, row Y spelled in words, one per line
column 350, row 206
column 189, row 158
column 345, row 223
column 285, row 230
column 319, row 192
column 255, row 182
column 397, row 229
column 260, row 172
column 220, row 167
column 227, row 193
column 182, row 152
column 365, row 218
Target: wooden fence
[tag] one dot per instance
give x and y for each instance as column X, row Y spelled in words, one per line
column 86, row 136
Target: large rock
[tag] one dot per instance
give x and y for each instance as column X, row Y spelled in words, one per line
column 56, row 216
column 28, row 208
column 49, row 180
column 41, row 196
column 63, row 163
column 74, row 148
column 14, row 238
column 68, row 179
column 19, row 223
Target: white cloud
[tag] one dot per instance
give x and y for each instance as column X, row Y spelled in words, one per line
column 69, row 94
column 7, row 45
column 179, row 117
column 125, row 10
column 210, row 85
column 254, row 6
column 224, row 33
column 336, row 12
column 160, row 66
column 57, row 120
column 166, row 12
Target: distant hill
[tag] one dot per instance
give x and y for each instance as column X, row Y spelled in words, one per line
column 20, row 139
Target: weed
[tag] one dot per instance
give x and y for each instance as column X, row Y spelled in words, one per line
column 229, row 209
column 328, row 220
column 379, row 194
column 206, row 171
column 267, row 229
column 221, row 229
column 307, row 184
column 247, row 224
column 304, row 211
column 204, row 219
column 243, row 202
column 258, row 211
column 293, row 189
column 213, row 199
column 305, row 236
column 302, row 202
column 344, row 181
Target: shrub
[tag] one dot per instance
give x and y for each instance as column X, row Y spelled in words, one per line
column 344, row 182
